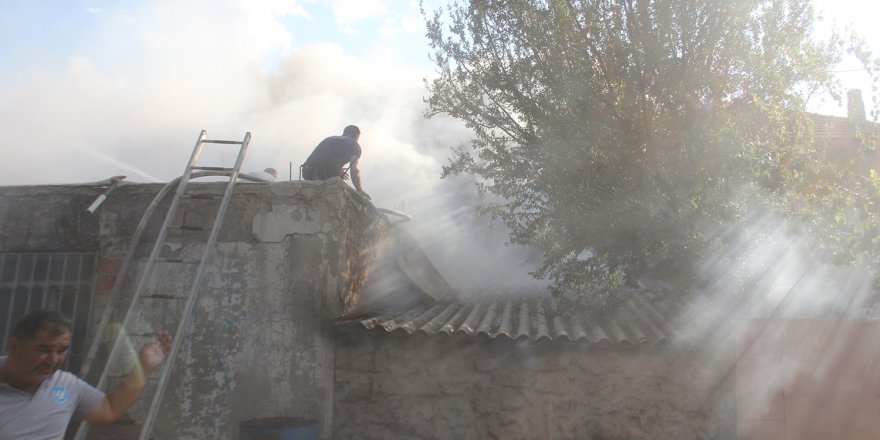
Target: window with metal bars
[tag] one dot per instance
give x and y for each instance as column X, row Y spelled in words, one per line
column 60, row 281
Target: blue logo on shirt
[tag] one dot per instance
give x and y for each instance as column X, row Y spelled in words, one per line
column 59, row 394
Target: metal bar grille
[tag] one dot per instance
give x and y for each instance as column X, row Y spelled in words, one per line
column 60, row 281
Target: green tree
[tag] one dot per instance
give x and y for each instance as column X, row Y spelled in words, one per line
column 618, row 136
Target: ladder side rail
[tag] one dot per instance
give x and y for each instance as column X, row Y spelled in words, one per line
column 144, row 278
column 157, row 248
column 120, row 277
column 186, row 317
column 123, row 268
column 83, row 430
column 169, row 217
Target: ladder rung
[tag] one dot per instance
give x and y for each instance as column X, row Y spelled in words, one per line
column 188, row 228
column 213, row 169
column 202, row 196
column 161, row 296
column 176, row 260
column 151, row 380
column 216, row 141
column 142, row 335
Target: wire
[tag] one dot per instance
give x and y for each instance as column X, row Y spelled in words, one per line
column 851, row 70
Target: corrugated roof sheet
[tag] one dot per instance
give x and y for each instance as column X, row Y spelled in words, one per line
column 636, row 322
column 839, row 133
column 833, row 127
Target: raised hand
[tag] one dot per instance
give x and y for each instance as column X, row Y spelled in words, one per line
column 153, row 353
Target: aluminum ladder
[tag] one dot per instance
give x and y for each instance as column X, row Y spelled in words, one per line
column 144, row 294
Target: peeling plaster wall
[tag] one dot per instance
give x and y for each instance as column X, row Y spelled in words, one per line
column 261, row 344
column 48, row 219
column 404, row 386
column 290, row 257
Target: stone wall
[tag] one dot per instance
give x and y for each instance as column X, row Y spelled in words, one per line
column 416, row 386
column 48, row 219
column 294, row 255
column 260, row 345
column 290, row 257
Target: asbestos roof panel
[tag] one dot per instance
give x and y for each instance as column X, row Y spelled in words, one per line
column 636, row 322
column 525, row 326
column 559, row 330
column 470, row 324
column 448, row 313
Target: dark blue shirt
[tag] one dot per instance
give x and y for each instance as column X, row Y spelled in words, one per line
column 334, row 153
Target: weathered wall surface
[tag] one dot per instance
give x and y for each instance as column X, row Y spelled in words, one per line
column 286, row 263
column 293, row 255
column 47, row 219
column 404, row 386
column 290, row 257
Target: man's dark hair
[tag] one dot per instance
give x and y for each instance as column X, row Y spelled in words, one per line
column 38, row 320
column 352, row 131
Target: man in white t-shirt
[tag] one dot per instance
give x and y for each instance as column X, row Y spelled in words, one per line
column 38, row 399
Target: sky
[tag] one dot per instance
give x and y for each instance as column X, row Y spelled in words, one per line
column 91, row 89
column 94, row 89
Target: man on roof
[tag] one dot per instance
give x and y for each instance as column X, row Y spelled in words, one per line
column 332, row 154
column 38, row 399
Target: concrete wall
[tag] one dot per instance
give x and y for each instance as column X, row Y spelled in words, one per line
column 809, row 379
column 404, row 386
column 290, row 257
column 47, row 219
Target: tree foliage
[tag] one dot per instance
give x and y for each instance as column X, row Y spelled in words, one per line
column 619, row 135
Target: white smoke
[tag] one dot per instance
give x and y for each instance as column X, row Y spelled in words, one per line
column 131, row 96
